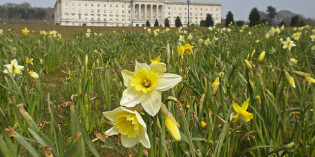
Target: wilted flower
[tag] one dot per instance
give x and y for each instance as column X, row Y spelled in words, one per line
column 215, row 86
column 290, row 79
column 25, row 31
column 309, row 79
column 130, row 125
column 288, row 44
column 145, row 86
column 13, row 68
column 249, row 66
column 241, row 111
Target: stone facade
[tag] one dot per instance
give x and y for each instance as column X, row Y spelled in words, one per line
column 132, row 12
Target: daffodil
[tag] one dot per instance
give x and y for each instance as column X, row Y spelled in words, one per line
column 189, row 37
column 13, row 68
column 296, row 36
column 290, row 79
column 87, row 35
column 130, row 125
column 180, row 49
column 181, row 38
column 33, row 74
column 241, row 111
column 25, row 31
column 145, row 86
column 267, row 35
column 288, row 44
column 149, row 30
column 29, row 60
column 156, row 60
column 293, row 61
column 207, row 42
column 188, row 49
column 203, row 124
column 215, row 86
column 249, row 66
column 1, row 31
column 312, row 37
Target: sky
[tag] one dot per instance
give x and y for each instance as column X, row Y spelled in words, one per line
column 239, row 8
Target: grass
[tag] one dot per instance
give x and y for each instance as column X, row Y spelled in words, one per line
column 80, row 77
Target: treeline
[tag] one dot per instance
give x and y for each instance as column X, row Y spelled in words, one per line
column 25, row 14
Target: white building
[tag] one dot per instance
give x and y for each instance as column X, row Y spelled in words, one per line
column 132, row 12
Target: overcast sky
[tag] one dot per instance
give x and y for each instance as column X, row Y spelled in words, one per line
column 240, row 8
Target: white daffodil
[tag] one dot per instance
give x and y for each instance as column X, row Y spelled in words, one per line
column 13, row 68
column 288, row 44
column 145, row 86
column 130, row 125
column 296, row 35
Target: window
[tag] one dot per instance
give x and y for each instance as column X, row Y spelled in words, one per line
column 104, row 19
column 85, row 4
column 169, row 13
column 129, row 12
column 180, row 8
column 201, row 9
column 110, row 5
column 104, row 5
column 116, row 6
column 72, row 4
column 91, row 5
column 200, row 14
column 128, row 6
column 111, row 11
column 98, row 11
column 104, row 11
column 79, row 4
column 98, row 5
column 122, row 6
column 169, row 8
column 123, row 12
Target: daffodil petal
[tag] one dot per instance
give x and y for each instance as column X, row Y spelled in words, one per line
column 236, row 107
column 141, row 66
column 112, row 131
column 247, row 116
column 167, row 81
column 144, row 139
column 140, row 120
column 158, row 67
column 131, row 97
column 112, row 115
column 127, row 76
column 128, row 142
column 245, row 104
column 152, row 104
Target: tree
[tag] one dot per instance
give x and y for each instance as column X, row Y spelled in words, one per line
column 264, row 21
column 240, row 23
column 209, row 21
column 229, row 19
column 156, row 24
column 281, row 24
column 148, row 23
column 295, row 21
column 178, row 22
column 271, row 14
column 302, row 23
column 202, row 23
column 167, row 22
column 254, row 17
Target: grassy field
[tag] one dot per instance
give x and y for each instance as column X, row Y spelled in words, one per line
column 243, row 91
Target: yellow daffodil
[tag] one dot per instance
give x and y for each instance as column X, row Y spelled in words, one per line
column 200, row 40
column 172, row 128
column 30, row 61
column 130, row 125
column 180, row 49
column 203, row 124
column 33, row 74
column 296, row 36
column 288, row 44
column 261, row 56
column 25, row 31
column 13, row 68
column 241, row 111
column 312, row 37
column 87, row 35
column 187, row 106
column 88, row 30
column 149, row 31
column 145, row 86
column 188, row 49
column 272, row 31
column 156, row 60
column 43, row 33
column 278, row 30
column 1, row 31
column 267, row 35
column 309, row 79
column 155, row 32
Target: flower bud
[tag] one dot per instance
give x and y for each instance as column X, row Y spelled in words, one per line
column 215, row 86
column 172, row 128
column 261, row 56
column 249, row 66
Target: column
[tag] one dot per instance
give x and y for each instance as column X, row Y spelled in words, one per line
column 151, row 7
column 145, row 12
column 162, row 15
column 139, row 12
column 157, row 11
